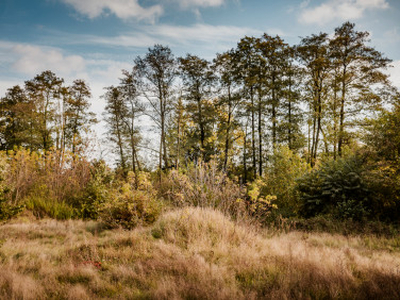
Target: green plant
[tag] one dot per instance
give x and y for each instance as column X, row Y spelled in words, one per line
column 8, row 208
column 128, row 208
column 337, row 188
column 42, row 204
column 260, row 206
column 279, row 179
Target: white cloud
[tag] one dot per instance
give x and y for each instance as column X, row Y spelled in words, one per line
column 29, row 60
column 34, row 59
column 199, row 3
column 395, row 73
column 212, row 38
column 338, row 10
column 124, row 9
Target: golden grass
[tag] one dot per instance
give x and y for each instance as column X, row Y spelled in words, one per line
column 191, row 253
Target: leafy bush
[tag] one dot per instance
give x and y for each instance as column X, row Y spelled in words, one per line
column 8, row 208
column 128, row 208
column 384, row 184
column 260, row 206
column 280, row 179
column 97, row 192
column 337, row 188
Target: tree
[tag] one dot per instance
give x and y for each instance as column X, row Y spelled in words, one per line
column 247, row 72
column 313, row 53
column 16, row 120
column 114, row 115
column 229, row 100
column 291, row 119
column 158, row 72
column 198, row 78
column 359, row 68
column 45, row 91
column 78, row 118
column 134, row 109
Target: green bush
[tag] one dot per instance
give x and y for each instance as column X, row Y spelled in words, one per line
column 128, row 208
column 43, row 204
column 97, row 192
column 337, row 188
column 279, row 179
column 47, row 207
column 8, row 208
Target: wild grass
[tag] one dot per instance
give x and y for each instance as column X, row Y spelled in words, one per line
column 191, row 253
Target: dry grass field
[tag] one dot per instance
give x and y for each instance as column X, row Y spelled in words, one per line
column 191, row 253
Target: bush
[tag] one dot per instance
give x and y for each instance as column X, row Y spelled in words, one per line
column 337, row 188
column 285, row 167
column 8, row 208
column 97, row 192
column 260, row 206
column 42, row 206
column 128, row 208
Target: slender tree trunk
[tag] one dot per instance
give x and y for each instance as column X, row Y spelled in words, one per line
column 245, row 155
column 228, row 127
column 273, row 113
column 290, row 115
column 253, row 138
column 341, row 116
column 260, row 135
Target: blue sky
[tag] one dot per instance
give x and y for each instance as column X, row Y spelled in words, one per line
column 95, row 39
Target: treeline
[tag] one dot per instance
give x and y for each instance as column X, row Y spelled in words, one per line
column 238, row 108
column 45, row 114
column 311, row 129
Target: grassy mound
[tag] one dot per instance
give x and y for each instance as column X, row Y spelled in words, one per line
column 191, row 253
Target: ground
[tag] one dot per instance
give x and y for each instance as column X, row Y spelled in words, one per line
column 192, row 253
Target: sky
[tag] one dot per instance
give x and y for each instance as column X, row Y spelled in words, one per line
column 95, row 39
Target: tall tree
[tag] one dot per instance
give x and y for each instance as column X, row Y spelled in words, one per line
column 247, row 71
column 314, row 55
column 291, row 121
column 77, row 112
column 359, row 68
column 45, row 92
column 17, row 125
column 134, row 109
column 114, row 115
column 198, row 79
column 158, row 72
column 229, row 99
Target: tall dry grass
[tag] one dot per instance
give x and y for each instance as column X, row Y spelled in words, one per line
column 194, row 253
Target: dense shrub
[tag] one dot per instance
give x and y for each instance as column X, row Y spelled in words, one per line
column 8, row 208
column 260, row 206
column 384, row 184
column 279, row 179
column 97, row 191
column 128, row 207
column 337, row 188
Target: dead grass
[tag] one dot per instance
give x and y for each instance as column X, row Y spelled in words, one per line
column 191, row 253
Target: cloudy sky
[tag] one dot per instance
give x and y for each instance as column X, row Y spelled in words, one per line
column 95, row 39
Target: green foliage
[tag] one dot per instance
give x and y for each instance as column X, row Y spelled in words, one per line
column 280, row 179
column 337, row 188
column 43, row 206
column 8, row 209
column 260, row 207
column 96, row 193
column 128, row 208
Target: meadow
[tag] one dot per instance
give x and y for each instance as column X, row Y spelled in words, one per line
column 192, row 253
